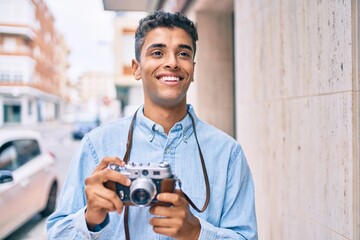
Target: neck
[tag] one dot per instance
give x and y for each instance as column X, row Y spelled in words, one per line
column 164, row 116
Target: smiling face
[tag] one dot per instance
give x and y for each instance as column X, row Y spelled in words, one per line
column 166, row 67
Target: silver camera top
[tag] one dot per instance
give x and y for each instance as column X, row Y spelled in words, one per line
column 151, row 170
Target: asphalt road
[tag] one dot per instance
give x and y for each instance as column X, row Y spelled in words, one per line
column 58, row 140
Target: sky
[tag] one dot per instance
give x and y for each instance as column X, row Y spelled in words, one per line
column 88, row 30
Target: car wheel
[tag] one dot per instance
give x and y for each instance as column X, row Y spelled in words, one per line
column 51, row 202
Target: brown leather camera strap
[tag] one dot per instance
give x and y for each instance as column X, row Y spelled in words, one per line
column 129, row 139
column 126, row 223
column 126, row 160
column 206, row 178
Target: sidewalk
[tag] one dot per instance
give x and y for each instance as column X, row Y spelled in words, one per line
column 43, row 127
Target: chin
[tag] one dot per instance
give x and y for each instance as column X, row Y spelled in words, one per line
column 172, row 103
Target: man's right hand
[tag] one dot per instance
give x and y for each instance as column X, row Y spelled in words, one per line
column 99, row 199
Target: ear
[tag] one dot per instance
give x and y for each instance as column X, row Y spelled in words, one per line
column 135, row 67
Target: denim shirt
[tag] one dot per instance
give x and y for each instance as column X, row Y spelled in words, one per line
column 231, row 210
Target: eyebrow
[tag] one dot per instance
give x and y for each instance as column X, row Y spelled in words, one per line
column 186, row 47
column 157, row 45
column 161, row 45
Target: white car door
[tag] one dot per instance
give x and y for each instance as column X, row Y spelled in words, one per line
column 13, row 200
column 35, row 168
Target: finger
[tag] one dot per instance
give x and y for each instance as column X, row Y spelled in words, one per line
column 174, row 198
column 101, row 203
column 167, row 231
column 162, row 222
column 109, row 160
column 113, row 204
column 93, row 192
column 169, row 212
column 106, row 175
column 111, row 197
column 115, row 176
column 160, row 211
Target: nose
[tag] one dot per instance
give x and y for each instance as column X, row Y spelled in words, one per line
column 171, row 62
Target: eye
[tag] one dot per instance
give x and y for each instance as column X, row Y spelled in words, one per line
column 157, row 53
column 184, row 54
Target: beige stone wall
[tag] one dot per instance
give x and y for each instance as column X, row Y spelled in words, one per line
column 214, row 77
column 297, row 111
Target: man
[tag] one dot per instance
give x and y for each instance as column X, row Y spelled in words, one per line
column 164, row 129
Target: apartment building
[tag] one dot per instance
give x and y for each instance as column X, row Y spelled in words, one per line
column 97, row 95
column 62, row 52
column 95, row 85
column 128, row 90
column 30, row 69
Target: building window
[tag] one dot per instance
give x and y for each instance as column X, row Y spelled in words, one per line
column 9, row 44
column 30, row 104
column 18, row 77
column 12, row 113
column 5, row 76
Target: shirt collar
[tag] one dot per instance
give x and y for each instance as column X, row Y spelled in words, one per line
column 149, row 127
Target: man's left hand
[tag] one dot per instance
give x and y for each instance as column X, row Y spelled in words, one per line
column 176, row 221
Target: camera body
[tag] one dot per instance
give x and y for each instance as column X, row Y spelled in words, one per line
column 148, row 180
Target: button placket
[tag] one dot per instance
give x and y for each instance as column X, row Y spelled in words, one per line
column 169, row 150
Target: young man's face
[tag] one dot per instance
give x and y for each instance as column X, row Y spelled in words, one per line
column 166, row 66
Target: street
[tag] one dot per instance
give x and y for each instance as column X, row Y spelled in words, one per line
column 58, row 140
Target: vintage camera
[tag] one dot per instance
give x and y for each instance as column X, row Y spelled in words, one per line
column 148, row 180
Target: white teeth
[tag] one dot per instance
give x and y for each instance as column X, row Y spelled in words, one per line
column 170, row 79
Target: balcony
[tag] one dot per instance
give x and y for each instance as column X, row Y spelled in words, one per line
column 21, row 30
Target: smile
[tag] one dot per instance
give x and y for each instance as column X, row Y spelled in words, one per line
column 167, row 79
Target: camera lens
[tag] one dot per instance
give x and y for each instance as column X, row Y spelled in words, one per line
column 140, row 197
column 142, row 191
column 145, row 172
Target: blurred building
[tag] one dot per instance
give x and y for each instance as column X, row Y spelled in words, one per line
column 95, row 85
column 128, row 90
column 62, row 66
column 282, row 77
column 32, row 61
column 97, row 94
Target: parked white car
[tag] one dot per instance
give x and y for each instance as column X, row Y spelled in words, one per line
column 28, row 182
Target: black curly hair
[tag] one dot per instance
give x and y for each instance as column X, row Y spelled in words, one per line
column 163, row 19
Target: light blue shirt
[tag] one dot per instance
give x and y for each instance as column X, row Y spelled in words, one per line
column 231, row 210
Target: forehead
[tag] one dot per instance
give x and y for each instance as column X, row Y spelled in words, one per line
column 167, row 36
